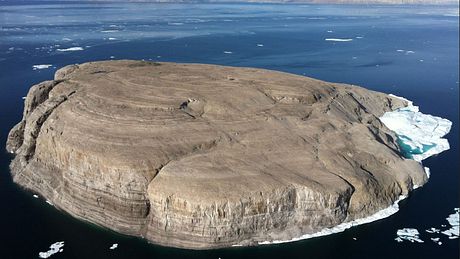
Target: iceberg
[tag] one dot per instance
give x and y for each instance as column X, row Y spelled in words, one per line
column 339, row 40
column 35, row 67
column 114, row 246
column 54, row 248
column 70, row 49
column 419, row 135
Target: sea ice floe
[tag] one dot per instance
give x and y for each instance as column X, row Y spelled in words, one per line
column 35, row 196
column 409, row 234
column 337, row 39
column 109, row 31
column 54, row 248
column 419, row 135
column 342, row 227
column 260, row 45
column 112, row 38
column 227, row 52
column 35, row 67
column 432, row 230
column 453, row 231
column 114, row 246
column 70, row 49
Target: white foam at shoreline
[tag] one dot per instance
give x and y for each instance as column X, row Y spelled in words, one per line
column 336, row 39
column 54, row 248
column 422, row 133
column 346, row 225
column 70, row 49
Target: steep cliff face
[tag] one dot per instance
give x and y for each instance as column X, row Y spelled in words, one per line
column 203, row 156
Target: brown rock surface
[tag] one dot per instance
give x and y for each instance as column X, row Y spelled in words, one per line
column 204, row 156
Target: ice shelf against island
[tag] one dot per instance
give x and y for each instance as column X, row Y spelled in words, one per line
column 419, row 135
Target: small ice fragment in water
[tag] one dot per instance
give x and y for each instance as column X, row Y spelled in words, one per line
column 409, row 234
column 227, row 52
column 330, row 31
column 47, row 201
column 336, row 39
column 112, row 38
column 114, row 246
column 400, row 50
column 260, row 45
column 70, row 49
column 410, row 52
column 355, row 238
column 432, row 230
column 359, row 37
column 54, row 248
column 35, row 67
column 35, row 196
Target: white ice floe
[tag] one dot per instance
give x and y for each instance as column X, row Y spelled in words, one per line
column 337, row 39
column 227, row 52
column 409, row 234
column 410, row 52
column 70, row 49
column 114, row 246
column 359, row 37
column 400, row 50
column 432, row 230
column 346, row 225
column 54, row 248
column 330, row 31
column 112, row 38
column 453, row 231
column 35, row 196
column 419, row 135
column 109, row 31
column 45, row 66
column 47, row 201
column 260, row 45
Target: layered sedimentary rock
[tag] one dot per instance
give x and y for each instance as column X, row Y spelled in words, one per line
column 204, row 156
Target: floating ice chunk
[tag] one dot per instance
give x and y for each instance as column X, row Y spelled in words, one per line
column 359, row 37
column 70, row 49
column 330, row 31
column 260, row 45
column 112, row 38
column 419, row 135
column 453, row 231
column 54, row 248
column 47, row 201
column 410, row 52
column 427, row 172
column 66, row 39
column 35, row 196
column 176, row 23
column 409, row 234
column 227, row 52
column 342, row 227
column 109, row 31
column 400, row 50
column 35, row 67
column 433, row 230
column 114, row 246
column 337, row 39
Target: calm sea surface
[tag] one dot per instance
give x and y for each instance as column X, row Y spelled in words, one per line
column 408, row 51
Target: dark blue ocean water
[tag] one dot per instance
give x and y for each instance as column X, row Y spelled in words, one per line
column 410, row 51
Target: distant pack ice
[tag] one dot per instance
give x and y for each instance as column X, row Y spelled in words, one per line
column 419, row 135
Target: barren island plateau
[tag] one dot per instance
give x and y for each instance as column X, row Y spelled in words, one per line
column 204, row 156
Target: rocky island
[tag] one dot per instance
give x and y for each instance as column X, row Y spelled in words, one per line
column 204, row 156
